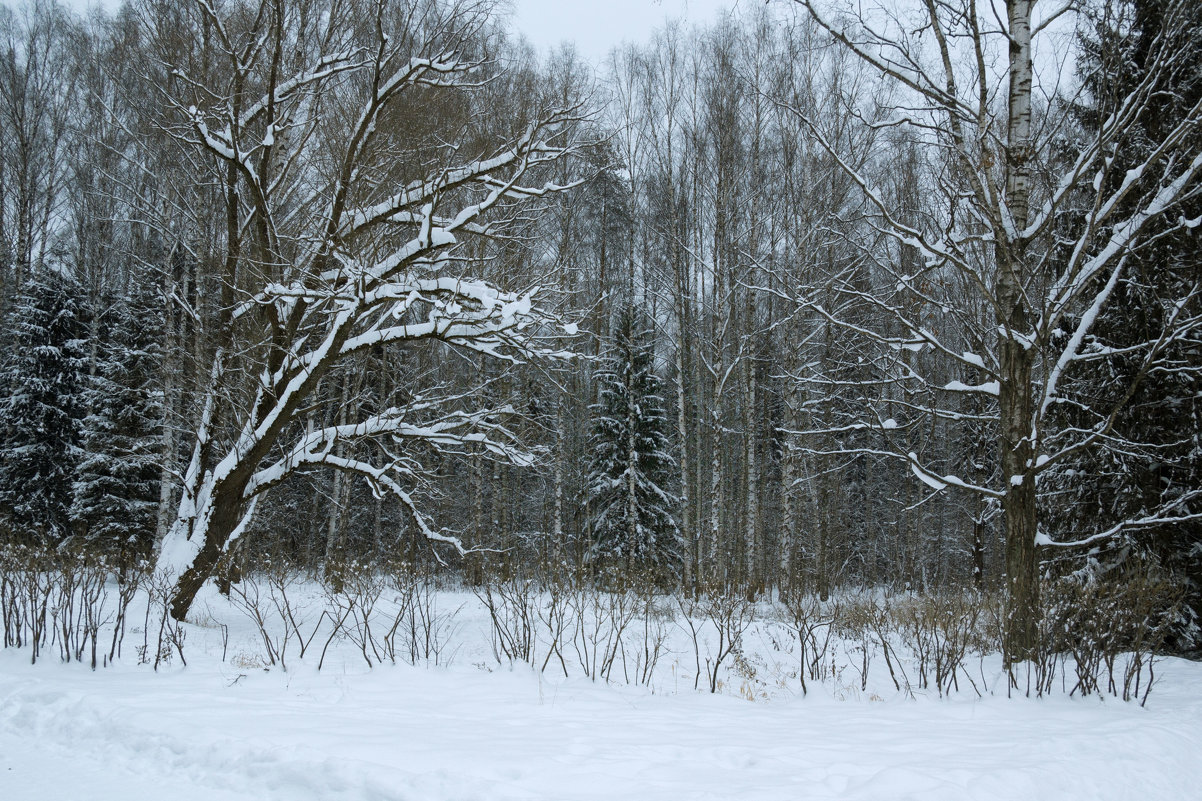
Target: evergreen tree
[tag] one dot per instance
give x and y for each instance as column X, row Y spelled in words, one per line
column 630, row 465
column 117, row 486
column 1151, row 465
column 40, row 375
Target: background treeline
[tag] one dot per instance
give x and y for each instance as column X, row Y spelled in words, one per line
column 719, row 260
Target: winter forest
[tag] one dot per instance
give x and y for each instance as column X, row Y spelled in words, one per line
column 823, row 349
column 815, row 299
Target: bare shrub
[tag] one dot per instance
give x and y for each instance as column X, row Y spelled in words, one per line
column 247, row 596
column 338, row 609
column 78, row 605
column 691, row 620
column 656, row 618
column 601, row 619
column 623, row 608
column 28, row 583
column 418, row 629
column 879, row 626
column 865, row 623
column 593, row 636
column 726, row 614
column 558, row 618
column 130, row 579
column 812, row 624
column 513, row 611
column 1111, row 628
column 941, row 629
column 51, row 598
column 354, row 595
column 401, row 584
column 170, row 634
column 283, row 584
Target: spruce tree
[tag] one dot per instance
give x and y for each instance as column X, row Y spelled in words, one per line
column 630, row 463
column 117, row 486
column 40, row 376
column 1151, row 463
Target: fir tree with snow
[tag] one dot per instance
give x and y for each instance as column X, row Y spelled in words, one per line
column 630, row 467
column 41, row 408
column 1140, row 487
column 117, row 486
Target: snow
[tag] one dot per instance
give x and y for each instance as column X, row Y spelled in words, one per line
column 923, row 475
column 230, row 729
column 409, row 733
column 989, row 387
column 973, row 359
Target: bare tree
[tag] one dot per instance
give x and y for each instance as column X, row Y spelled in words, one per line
column 968, row 80
column 35, row 105
column 353, row 158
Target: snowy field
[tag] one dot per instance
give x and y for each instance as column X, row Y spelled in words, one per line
column 480, row 728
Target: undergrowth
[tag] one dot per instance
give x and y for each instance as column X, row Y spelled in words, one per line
column 1098, row 637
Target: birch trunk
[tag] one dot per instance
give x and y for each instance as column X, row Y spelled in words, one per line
column 751, row 529
column 1017, row 356
column 688, row 531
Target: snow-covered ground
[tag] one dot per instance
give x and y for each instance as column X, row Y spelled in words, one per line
column 229, row 729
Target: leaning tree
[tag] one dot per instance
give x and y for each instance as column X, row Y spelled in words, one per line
column 355, row 147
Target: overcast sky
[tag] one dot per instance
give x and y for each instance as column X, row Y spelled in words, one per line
column 596, row 26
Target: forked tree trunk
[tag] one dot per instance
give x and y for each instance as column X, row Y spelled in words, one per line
column 323, row 309
column 226, row 515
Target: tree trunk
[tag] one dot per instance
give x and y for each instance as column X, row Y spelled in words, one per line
column 335, row 556
column 632, row 457
column 172, row 379
column 753, row 575
column 687, row 529
column 1017, row 358
column 717, row 562
column 978, row 551
column 557, row 538
column 788, row 523
column 1018, row 505
column 826, row 516
column 227, row 514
